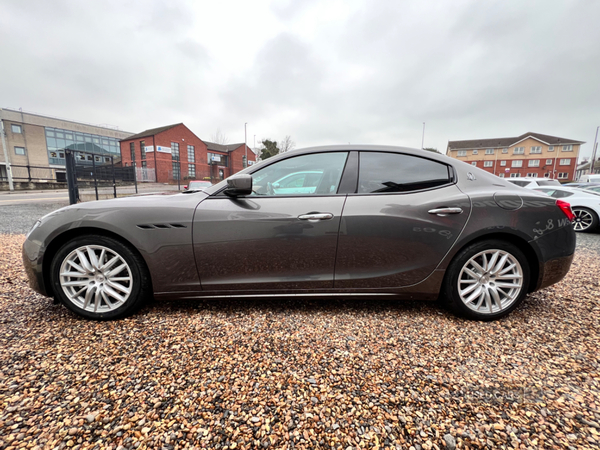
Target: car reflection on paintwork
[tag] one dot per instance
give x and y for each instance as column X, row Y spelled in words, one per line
column 338, row 220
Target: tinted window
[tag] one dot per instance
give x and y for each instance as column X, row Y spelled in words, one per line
column 548, row 183
column 519, row 183
column 556, row 193
column 315, row 174
column 392, row 172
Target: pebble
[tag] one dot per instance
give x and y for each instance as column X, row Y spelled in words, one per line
column 414, row 377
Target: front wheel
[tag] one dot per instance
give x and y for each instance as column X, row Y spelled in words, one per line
column 486, row 280
column 99, row 278
column 585, row 221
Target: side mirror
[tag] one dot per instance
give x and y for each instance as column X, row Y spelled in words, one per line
column 239, row 185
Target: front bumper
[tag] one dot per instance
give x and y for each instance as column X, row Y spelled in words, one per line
column 32, row 261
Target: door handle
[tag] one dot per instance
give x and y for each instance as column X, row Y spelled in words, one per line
column 313, row 217
column 445, row 211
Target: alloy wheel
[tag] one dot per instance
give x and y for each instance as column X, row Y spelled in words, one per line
column 96, row 278
column 583, row 219
column 490, row 281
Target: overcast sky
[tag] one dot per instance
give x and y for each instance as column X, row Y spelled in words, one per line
column 323, row 72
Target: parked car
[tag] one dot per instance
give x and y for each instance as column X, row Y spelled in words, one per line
column 593, row 188
column 377, row 221
column 585, row 206
column 533, row 182
column 590, row 178
column 197, row 185
column 580, row 184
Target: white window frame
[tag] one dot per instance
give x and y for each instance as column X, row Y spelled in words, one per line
column 488, row 164
column 515, row 175
column 475, row 152
column 489, row 151
column 462, row 153
column 532, row 175
column 501, row 175
column 23, row 153
column 504, row 150
column 567, row 148
column 503, row 163
column 551, row 148
column 16, row 129
column 474, row 163
column 548, row 162
column 565, row 162
column 533, row 163
column 516, row 163
column 535, row 150
column 563, row 175
column 519, row 151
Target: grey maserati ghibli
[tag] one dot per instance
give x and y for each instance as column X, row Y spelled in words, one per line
column 337, row 220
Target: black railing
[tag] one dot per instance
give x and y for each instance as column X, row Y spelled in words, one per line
column 37, row 173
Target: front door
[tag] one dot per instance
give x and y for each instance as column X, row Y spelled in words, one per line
column 275, row 238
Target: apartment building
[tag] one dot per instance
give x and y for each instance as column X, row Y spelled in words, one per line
column 531, row 155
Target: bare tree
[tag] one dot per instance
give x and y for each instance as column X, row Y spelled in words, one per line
column 219, row 137
column 286, row 144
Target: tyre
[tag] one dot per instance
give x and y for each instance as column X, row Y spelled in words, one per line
column 486, row 280
column 586, row 220
column 99, row 278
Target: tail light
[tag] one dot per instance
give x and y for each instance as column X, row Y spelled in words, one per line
column 566, row 208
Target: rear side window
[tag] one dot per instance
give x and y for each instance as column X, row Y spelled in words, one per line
column 548, row 183
column 392, row 172
column 561, row 194
column 519, row 183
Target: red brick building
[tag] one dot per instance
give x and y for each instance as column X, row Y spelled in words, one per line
column 173, row 152
column 531, row 155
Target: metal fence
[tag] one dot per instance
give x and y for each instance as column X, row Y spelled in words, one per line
column 84, row 169
column 36, row 173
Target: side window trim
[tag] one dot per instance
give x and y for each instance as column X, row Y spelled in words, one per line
column 349, row 181
column 451, row 178
column 221, row 194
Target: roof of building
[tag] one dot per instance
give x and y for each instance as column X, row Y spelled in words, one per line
column 509, row 141
column 152, row 132
column 222, row 147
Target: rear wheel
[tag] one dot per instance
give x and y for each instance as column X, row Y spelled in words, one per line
column 486, row 280
column 585, row 221
column 100, row 278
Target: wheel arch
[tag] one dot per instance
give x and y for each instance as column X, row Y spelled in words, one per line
column 530, row 254
column 67, row 235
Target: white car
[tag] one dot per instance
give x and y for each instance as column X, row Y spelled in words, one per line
column 533, row 182
column 590, row 178
column 585, row 206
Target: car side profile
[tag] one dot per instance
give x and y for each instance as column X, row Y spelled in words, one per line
column 376, row 221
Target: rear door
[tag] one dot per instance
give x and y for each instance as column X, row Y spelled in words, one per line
column 404, row 217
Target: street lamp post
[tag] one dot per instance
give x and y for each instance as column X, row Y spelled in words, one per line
column 594, row 148
column 245, row 143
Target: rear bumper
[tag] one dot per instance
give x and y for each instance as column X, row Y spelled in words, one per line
column 556, row 251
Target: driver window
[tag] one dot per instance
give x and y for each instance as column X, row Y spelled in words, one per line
column 316, row 174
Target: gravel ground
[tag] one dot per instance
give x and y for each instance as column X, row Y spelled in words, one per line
column 301, row 374
column 19, row 219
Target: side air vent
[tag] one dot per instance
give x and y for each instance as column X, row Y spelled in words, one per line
column 161, row 226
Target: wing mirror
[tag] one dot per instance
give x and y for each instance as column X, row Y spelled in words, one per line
column 239, row 185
